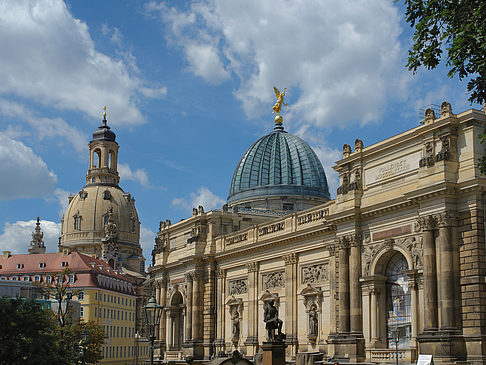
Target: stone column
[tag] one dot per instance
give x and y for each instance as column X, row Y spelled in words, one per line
column 162, row 300
column 189, row 293
column 197, row 306
column 446, row 280
column 332, row 289
column 157, row 299
column 374, row 317
column 343, row 286
column 220, row 299
column 291, row 301
column 252, row 340
column 171, row 328
column 412, row 286
column 428, row 224
column 356, row 314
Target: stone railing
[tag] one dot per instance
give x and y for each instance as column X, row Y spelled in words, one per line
column 289, row 224
column 388, row 355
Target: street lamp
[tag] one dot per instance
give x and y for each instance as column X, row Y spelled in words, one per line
column 151, row 314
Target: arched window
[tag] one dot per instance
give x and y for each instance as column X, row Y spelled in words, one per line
column 399, row 319
column 112, row 159
column 96, row 158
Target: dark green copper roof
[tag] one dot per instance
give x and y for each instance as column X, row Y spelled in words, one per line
column 278, row 164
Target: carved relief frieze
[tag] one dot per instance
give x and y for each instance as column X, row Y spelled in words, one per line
column 238, row 286
column 318, row 273
column 367, row 255
column 273, row 280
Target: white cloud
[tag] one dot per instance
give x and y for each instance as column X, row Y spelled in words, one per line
column 338, row 59
column 139, row 175
column 203, row 196
column 147, row 241
column 49, row 57
column 328, row 157
column 62, row 198
column 16, row 236
column 45, row 127
column 23, row 174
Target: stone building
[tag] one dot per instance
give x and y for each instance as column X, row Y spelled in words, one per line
column 396, row 259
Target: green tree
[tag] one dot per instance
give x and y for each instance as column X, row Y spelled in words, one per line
column 459, row 28
column 29, row 334
column 70, row 330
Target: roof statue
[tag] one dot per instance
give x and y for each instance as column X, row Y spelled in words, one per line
column 280, row 100
column 104, row 112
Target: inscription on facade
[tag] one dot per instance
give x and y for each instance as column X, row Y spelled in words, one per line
column 393, row 168
column 271, row 228
column 273, row 280
column 238, row 238
column 313, row 216
column 239, row 286
column 315, row 274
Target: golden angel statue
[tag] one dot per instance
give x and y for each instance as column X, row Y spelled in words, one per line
column 280, row 100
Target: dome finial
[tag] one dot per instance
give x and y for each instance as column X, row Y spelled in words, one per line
column 104, row 114
column 280, row 100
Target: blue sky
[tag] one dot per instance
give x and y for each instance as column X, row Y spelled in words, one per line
column 189, row 87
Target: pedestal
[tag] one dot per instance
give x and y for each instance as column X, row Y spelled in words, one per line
column 273, row 353
column 349, row 348
column 445, row 346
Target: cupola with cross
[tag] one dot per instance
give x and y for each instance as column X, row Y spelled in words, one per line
column 103, row 156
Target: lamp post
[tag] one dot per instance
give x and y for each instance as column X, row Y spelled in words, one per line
column 84, row 342
column 151, row 314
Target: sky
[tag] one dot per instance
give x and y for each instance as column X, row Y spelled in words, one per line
column 189, row 87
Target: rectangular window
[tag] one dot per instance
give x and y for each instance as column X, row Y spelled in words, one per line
column 48, row 279
column 37, row 278
column 96, row 296
column 71, row 279
column 80, row 295
column 104, row 312
column 20, row 266
column 81, row 311
column 96, row 312
column 104, row 297
column 25, row 278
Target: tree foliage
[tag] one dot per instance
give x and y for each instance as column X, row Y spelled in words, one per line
column 29, row 334
column 457, row 27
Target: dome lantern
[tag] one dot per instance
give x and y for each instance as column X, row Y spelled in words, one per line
column 103, row 156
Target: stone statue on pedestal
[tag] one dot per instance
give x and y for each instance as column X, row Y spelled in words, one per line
column 272, row 322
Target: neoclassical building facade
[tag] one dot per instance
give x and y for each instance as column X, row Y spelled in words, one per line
column 396, row 260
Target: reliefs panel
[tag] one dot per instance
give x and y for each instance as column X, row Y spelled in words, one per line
column 273, row 280
column 239, row 286
column 318, row 273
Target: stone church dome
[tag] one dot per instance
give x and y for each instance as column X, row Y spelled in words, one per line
column 101, row 219
column 87, row 212
column 282, row 166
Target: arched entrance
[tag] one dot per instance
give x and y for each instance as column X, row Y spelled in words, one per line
column 176, row 322
column 398, row 303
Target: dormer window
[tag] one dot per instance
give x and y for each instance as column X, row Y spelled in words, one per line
column 77, row 221
column 20, row 266
column 106, row 195
column 71, row 278
column 64, row 264
column 42, row 265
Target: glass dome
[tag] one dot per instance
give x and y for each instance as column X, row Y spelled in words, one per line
column 278, row 164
